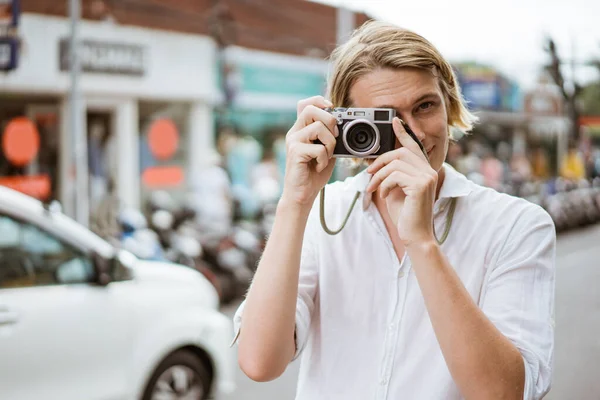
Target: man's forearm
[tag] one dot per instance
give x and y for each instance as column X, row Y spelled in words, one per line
column 266, row 342
column 482, row 361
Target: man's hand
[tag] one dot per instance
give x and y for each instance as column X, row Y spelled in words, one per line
column 407, row 182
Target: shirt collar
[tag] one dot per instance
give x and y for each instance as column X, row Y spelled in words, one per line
column 455, row 185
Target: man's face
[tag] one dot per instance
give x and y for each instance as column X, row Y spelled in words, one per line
column 418, row 100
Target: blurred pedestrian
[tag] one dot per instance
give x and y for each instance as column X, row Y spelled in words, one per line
column 540, row 167
column 211, row 196
column 492, row 170
column 265, row 178
column 470, row 162
column 572, row 166
column 105, row 217
column 520, row 171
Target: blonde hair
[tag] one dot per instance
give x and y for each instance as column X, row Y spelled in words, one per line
column 381, row 45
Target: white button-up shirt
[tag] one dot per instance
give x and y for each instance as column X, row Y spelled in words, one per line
column 362, row 327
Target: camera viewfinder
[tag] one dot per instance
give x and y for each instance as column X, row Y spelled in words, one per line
column 382, row 115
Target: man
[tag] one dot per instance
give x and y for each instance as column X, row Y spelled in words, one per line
column 383, row 310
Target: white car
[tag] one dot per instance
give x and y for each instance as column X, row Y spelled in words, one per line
column 82, row 320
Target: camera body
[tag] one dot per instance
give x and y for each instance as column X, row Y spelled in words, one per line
column 364, row 132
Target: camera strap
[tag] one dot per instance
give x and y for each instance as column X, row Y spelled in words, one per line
column 449, row 217
column 322, row 213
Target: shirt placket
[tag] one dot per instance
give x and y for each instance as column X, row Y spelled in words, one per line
column 398, row 299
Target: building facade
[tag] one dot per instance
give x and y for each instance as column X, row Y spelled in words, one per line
column 152, row 80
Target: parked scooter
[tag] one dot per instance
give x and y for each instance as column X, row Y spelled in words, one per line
column 137, row 238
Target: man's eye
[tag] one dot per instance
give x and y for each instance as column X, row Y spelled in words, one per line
column 425, row 106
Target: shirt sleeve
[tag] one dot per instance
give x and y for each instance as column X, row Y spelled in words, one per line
column 519, row 296
column 307, row 286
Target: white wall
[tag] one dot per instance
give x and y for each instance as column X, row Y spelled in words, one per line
column 178, row 66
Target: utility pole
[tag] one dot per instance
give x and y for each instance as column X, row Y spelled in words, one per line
column 345, row 24
column 77, row 125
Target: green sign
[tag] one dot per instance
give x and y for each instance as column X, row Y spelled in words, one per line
column 280, row 81
column 255, row 122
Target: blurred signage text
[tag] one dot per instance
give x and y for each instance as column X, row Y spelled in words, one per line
column 8, row 53
column 484, row 88
column 105, row 57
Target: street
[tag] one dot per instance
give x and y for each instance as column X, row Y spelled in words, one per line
column 577, row 327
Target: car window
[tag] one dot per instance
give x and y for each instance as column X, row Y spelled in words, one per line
column 30, row 256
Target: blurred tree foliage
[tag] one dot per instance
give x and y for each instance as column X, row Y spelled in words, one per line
column 590, row 99
column 590, row 96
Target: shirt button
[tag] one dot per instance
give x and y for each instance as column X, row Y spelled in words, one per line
column 391, row 327
column 383, row 382
column 400, row 274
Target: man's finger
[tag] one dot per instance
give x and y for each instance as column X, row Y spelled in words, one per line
column 396, row 179
column 316, row 133
column 383, row 173
column 308, row 152
column 317, row 101
column 405, row 139
column 398, row 154
column 312, row 113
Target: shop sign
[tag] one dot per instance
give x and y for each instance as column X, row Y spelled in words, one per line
column 105, row 57
column 486, row 89
column 37, row 186
column 163, row 142
column 249, row 78
column 20, row 141
column 482, row 95
column 280, row 81
column 163, row 177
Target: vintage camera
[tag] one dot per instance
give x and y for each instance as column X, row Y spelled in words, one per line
column 364, row 132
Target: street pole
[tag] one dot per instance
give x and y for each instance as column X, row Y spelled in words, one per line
column 345, row 25
column 77, row 125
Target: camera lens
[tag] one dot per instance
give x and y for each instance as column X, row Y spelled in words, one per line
column 361, row 138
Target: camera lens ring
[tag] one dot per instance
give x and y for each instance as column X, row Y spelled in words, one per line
column 374, row 147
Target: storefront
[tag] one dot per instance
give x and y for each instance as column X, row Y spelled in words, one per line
column 132, row 77
column 539, row 123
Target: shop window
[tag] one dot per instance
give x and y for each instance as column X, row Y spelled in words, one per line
column 164, row 131
column 29, row 151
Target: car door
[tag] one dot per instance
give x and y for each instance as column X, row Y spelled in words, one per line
column 61, row 336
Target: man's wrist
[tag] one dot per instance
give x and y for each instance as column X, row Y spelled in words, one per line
column 293, row 209
column 424, row 248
